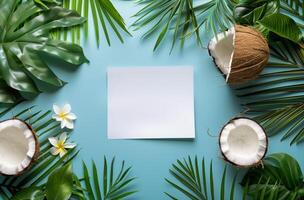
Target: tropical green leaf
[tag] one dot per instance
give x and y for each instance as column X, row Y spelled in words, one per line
column 248, row 12
column 114, row 187
column 295, row 9
column 46, row 163
column 24, row 35
column 60, row 183
column 31, row 193
column 275, row 99
column 182, row 18
column 281, row 25
column 8, row 95
column 279, row 178
column 44, row 3
column 188, row 178
column 105, row 17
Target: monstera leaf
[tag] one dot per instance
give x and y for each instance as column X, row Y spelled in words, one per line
column 280, row 178
column 24, row 37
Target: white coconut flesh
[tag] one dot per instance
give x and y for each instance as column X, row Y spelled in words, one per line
column 17, row 146
column 243, row 142
column 221, row 49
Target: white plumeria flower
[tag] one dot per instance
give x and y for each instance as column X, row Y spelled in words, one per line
column 60, row 145
column 64, row 115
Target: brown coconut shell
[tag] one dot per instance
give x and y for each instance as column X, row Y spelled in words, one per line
column 233, row 163
column 251, row 53
column 37, row 148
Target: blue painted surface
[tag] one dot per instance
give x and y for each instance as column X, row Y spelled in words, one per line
column 215, row 103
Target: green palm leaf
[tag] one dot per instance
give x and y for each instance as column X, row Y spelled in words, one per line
column 114, row 187
column 281, row 25
column 248, row 12
column 280, row 178
column 276, row 98
column 24, row 36
column 294, row 8
column 182, row 18
column 104, row 16
column 46, row 164
column 190, row 179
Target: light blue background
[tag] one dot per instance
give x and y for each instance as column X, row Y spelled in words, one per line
column 215, row 103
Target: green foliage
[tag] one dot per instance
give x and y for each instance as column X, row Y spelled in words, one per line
column 114, row 187
column 52, row 177
column 104, row 16
column 181, row 18
column 30, row 193
column 24, row 36
column 281, row 25
column 267, row 16
column 248, row 12
column 191, row 180
column 44, row 3
column 60, row 183
column 276, row 99
column 29, row 183
column 294, row 8
column 280, row 178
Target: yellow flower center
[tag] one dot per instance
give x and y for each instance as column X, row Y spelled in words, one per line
column 60, row 145
column 62, row 115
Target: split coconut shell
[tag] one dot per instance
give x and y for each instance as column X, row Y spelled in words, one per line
column 243, row 142
column 19, row 147
column 240, row 53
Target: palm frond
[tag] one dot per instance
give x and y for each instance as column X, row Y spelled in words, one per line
column 182, row 18
column 294, row 8
column 190, row 179
column 114, row 187
column 279, row 178
column 45, row 127
column 104, row 16
column 276, row 99
column 248, row 12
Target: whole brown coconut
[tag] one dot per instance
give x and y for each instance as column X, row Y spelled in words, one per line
column 240, row 53
column 19, row 147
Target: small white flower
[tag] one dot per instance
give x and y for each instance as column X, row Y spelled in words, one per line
column 60, row 145
column 64, row 115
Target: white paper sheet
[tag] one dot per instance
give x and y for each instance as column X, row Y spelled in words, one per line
column 150, row 102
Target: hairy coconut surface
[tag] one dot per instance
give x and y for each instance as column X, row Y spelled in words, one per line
column 243, row 142
column 18, row 146
column 240, row 53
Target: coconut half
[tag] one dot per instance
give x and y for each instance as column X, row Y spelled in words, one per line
column 243, row 142
column 240, row 53
column 18, row 147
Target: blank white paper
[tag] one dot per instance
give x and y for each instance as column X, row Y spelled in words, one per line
column 150, row 102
